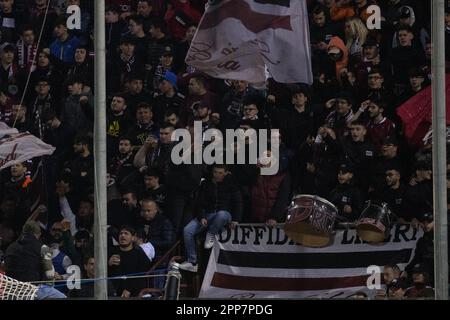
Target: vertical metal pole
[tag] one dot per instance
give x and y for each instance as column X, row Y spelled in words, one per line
column 439, row 151
column 100, row 238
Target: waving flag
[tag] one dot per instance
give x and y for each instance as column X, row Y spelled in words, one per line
column 258, row 262
column 19, row 147
column 238, row 39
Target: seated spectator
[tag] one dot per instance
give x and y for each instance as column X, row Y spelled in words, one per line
column 87, row 287
column 219, row 205
column 157, row 228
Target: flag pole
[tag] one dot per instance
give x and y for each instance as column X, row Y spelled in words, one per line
column 439, row 151
column 100, row 238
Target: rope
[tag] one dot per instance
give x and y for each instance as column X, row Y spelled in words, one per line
column 124, row 277
column 34, row 60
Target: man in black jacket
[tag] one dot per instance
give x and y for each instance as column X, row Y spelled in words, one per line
column 219, row 205
column 24, row 259
column 125, row 260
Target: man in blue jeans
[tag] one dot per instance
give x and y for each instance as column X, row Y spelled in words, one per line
column 219, row 204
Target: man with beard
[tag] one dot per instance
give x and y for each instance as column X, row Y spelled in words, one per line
column 123, row 211
column 118, row 122
column 121, row 165
column 144, row 127
column 81, row 168
column 128, row 259
column 169, row 98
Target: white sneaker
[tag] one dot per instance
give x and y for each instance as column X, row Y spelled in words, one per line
column 209, row 241
column 188, row 266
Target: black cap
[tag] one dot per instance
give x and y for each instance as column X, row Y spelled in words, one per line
column 425, row 217
column 371, row 43
column 82, row 234
column 419, row 268
column 344, row 95
column 400, row 283
column 127, row 40
column 417, row 72
column 167, row 51
column 404, row 12
column 7, row 47
column 423, row 165
column 346, row 168
column 390, row 140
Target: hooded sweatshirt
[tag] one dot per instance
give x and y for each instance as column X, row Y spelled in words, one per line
column 340, row 64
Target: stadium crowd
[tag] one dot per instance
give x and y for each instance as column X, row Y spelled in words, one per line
column 340, row 138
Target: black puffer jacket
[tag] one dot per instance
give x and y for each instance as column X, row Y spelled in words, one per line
column 225, row 195
column 23, row 259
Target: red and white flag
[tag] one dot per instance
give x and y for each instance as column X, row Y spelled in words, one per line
column 19, row 147
column 237, row 39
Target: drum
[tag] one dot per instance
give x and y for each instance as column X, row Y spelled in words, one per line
column 310, row 220
column 375, row 222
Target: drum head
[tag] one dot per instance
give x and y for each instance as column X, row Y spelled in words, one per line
column 306, row 235
column 370, row 233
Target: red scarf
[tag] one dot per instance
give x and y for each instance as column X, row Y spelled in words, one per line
column 31, row 51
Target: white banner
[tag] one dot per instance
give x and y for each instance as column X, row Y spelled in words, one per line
column 5, row 130
column 19, row 147
column 237, row 39
column 259, row 262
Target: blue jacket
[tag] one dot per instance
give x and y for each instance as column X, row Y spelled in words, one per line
column 65, row 50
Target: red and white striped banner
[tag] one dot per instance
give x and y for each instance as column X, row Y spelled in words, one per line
column 258, row 262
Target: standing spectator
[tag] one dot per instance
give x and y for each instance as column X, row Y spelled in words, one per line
column 64, row 45
column 144, row 9
column 379, row 127
column 11, row 76
column 123, row 211
column 11, row 20
column 169, row 98
column 405, row 57
column 144, row 126
column 27, row 49
column 166, row 64
column 121, row 164
column 139, row 35
column 38, row 13
column 158, row 42
column 118, row 122
column 115, row 28
column 355, row 37
column 73, row 112
column 136, row 92
column 153, row 189
column 81, row 168
column 125, row 260
column 123, row 65
column 347, row 196
column 82, row 68
column 28, row 259
column 156, row 154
